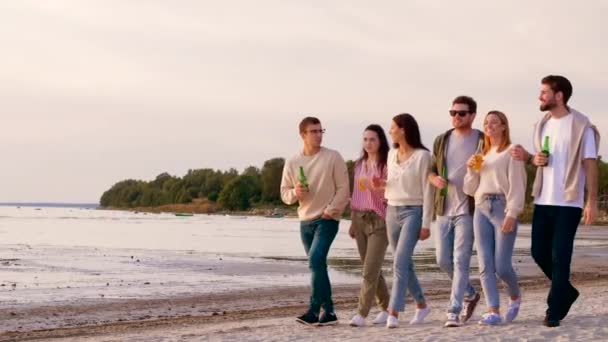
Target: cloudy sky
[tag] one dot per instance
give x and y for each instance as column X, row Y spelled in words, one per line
column 93, row 92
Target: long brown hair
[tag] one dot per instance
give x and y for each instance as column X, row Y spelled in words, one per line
column 412, row 132
column 506, row 135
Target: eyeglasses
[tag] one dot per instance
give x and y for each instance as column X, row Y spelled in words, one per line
column 317, row 131
column 460, row 113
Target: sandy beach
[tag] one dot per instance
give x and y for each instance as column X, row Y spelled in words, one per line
column 77, row 284
column 268, row 316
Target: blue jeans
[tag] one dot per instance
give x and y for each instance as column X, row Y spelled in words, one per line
column 453, row 247
column 403, row 225
column 494, row 249
column 317, row 236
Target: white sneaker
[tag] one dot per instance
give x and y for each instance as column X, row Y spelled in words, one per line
column 420, row 315
column 381, row 318
column 357, row 321
column 453, row 321
column 392, row 322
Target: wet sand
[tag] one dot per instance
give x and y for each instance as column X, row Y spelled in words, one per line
column 269, row 315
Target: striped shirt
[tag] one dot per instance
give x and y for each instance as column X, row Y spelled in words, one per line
column 364, row 198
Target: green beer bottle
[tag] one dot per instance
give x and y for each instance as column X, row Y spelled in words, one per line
column 444, row 175
column 302, row 178
column 546, row 151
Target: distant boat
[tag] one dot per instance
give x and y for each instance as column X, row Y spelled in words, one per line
column 184, row 214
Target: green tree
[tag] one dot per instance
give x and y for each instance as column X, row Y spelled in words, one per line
column 123, row 194
column 239, row 193
column 271, row 175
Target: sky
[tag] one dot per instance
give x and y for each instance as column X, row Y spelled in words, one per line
column 94, row 92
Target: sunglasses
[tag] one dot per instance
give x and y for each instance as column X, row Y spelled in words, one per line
column 460, row 113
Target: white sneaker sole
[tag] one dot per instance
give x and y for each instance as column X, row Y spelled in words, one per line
column 306, row 323
column 488, row 324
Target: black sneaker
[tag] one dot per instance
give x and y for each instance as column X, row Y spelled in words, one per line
column 572, row 297
column 328, row 319
column 550, row 322
column 308, row 318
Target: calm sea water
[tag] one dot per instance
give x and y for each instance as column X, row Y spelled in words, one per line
column 56, row 254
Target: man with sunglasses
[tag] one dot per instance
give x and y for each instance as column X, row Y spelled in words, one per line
column 454, row 209
column 317, row 178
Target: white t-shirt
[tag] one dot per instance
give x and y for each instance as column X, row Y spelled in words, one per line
column 553, row 188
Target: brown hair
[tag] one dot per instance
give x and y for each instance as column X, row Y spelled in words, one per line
column 382, row 151
column 467, row 100
column 410, row 127
column 559, row 84
column 307, row 121
column 506, row 141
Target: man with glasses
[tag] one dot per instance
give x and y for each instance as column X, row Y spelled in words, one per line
column 454, row 209
column 317, row 178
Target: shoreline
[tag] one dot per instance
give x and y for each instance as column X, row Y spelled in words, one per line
column 281, row 212
column 273, row 212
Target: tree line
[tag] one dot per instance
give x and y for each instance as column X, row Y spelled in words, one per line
column 230, row 189
column 241, row 191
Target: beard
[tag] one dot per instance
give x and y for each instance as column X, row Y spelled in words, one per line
column 461, row 124
column 547, row 107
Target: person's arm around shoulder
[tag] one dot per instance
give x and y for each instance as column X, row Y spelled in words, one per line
column 520, row 154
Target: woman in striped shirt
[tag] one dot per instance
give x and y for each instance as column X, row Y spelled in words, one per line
column 368, row 228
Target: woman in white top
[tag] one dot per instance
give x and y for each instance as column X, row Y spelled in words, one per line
column 498, row 183
column 409, row 212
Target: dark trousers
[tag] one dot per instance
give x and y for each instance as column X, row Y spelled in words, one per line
column 317, row 236
column 553, row 232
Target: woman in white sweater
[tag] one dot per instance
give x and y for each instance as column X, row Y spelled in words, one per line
column 499, row 186
column 409, row 212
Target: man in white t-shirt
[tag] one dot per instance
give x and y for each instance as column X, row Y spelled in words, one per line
column 566, row 145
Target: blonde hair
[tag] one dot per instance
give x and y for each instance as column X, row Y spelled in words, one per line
column 506, row 141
